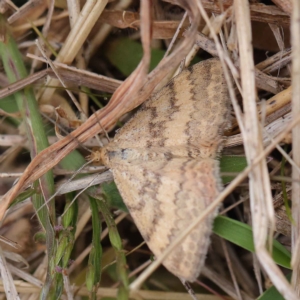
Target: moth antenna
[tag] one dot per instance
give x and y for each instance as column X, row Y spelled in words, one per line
column 77, row 195
column 60, row 188
column 94, row 156
column 99, row 122
column 64, row 130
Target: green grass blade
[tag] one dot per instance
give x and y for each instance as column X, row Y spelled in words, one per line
column 232, row 164
column 116, row 242
column 272, row 293
column 93, row 275
column 27, row 104
column 241, row 234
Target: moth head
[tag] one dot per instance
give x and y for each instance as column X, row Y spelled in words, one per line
column 98, row 156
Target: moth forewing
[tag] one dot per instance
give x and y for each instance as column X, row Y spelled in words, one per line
column 164, row 163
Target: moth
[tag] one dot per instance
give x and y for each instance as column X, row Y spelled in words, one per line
column 164, row 162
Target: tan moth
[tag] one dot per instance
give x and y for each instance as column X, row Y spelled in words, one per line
column 164, row 163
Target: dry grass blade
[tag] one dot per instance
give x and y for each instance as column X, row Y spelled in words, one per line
column 7, row 279
column 285, row 5
column 68, row 74
column 258, row 12
column 259, row 183
column 295, row 28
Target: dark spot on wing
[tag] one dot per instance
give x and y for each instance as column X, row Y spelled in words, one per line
column 168, row 155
